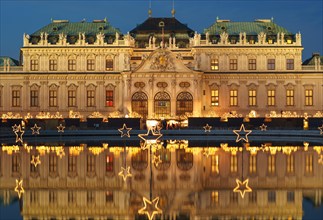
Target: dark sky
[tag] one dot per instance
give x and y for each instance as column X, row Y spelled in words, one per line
column 25, row 16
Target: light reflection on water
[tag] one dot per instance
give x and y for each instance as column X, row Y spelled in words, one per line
column 191, row 181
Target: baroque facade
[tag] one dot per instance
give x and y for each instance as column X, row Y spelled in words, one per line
column 162, row 69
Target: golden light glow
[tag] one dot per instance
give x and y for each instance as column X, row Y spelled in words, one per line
column 10, row 149
column 35, row 160
column 19, row 133
column 19, row 189
column 245, row 133
column 125, row 131
column 321, row 129
column 125, row 173
column 75, row 151
column 320, row 160
column 157, row 160
column 150, row 208
column 96, row 150
column 148, row 142
column 35, row 129
column 242, row 187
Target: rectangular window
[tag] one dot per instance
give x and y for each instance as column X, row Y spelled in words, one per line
column 290, row 97
column 15, row 164
column 233, row 64
column 71, row 197
column 290, row 164
column 253, row 164
column 109, row 65
column 71, row 164
column 271, row 164
column 215, row 164
column 53, row 65
column 214, row 64
column 34, row 98
column 109, row 164
column 251, row 41
column 71, row 65
column 290, row 64
column 252, row 64
column 90, row 65
column 233, row 163
column 90, row 163
column 34, row 65
column 71, row 98
column 271, row 64
column 52, row 98
column 109, row 98
column 233, row 97
column 291, row 196
column 109, row 197
column 271, row 97
column 252, row 97
column 215, row 97
column 16, row 98
column 309, row 97
column 214, row 197
column 52, row 163
column 309, row 164
column 271, row 196
column 90, row 98
column 253, row 197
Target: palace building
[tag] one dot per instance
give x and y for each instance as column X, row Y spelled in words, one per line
column 162, row 69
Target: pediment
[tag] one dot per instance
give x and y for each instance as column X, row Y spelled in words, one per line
column 162, row 60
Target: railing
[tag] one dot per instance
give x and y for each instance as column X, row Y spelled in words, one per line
column 12, row 69
column 317, row 68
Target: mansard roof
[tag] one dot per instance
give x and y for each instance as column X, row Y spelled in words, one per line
column 311, row 61
column 251, row 28
column 12, row 61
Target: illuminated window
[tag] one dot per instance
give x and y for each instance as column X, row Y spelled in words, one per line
column 52, row 65
column 214, row 64
column 214, row 197
column 271, row 164
column 290, row 97
column 109, row 197
column 72, row 164
column 290, row 164
column 309, row 163
column 90, row 98
column 90, row 197
column 270, row 41
column 162, row 104
column 271, row 64
column 52, row 197
column 233, row 97
column 214, row 97
column 71, row 197
column 90, row 163
column 184, row 103
column 252, row 64
column 233, row 163
column 184, row 159
column 109, row 65
column 251, row 41
column 271, row 196
column 234, row 197
column 72, row 65
column 71, row 99
column 34, row 65
column 233, row 64
column 253, row 164
column 109, row 99
column 253, row 197
column 291, row 196
column 15, row 98
column 34, row 98
column 309, row 97
column 290, row 64
column 52, row 98
column 271, row 97
column 252, row 97
column 215, row 164
column 139, row 103
column 52, row 163
column 109, row 162
column 90, row 65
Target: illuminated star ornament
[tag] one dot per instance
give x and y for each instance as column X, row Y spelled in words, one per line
column 157, row 160
column 149, row 141
column 61, row 128
column 263, row 127
column 15, row 128
column 19, row 189
column 320, row 160
column 242, row 132
column 150, row 208
column 35, row 160
column 19, row 133
column 321, row 129
column 242, row 187
column 35, row 129
column 207, row 128
column 125, row 173
column 125, row 131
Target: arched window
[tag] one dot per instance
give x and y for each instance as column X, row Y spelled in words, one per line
column 184, row 103
column 184, row 159
column 139, row 103
column 139, row 161
column 162, row 104
column 165, row 157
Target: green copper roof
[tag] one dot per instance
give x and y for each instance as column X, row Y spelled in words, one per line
column 89, row 28
column 251, row 28
column 311, row 61
column 12, row 61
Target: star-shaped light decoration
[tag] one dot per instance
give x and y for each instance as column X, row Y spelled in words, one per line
column 244, row 132
column 320, row 160
column 149, row 141
column 19, row 133
column 125, row 131
column 61, row 128
column 157, row 160
column 157, row 129
column 35, row 129
column 15, row 128
column 263, row 127
column 150, row 208
column 242, row 187
column 19, row 189
column 207, row 128
column 125, row 173
column 321, row 129
column 35, row 160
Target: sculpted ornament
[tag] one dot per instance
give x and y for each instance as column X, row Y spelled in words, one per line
column 162, row 62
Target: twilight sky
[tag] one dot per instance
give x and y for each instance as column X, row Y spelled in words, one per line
column 26, row 16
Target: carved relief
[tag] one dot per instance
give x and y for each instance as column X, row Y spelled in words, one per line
column 162, row 61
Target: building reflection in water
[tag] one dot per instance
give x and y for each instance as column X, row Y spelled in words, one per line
column 82, row 182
